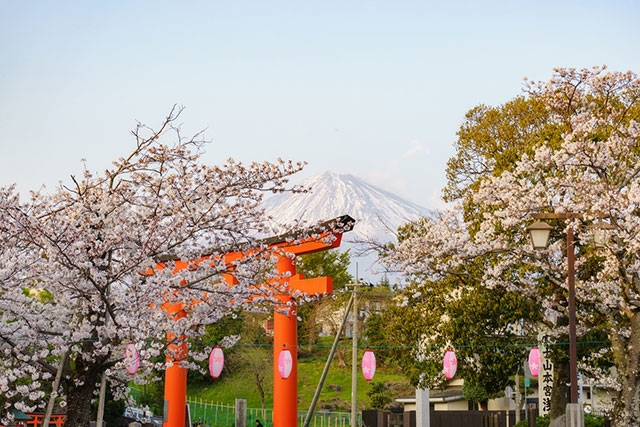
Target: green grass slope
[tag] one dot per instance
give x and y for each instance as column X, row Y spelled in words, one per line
column 335, row 395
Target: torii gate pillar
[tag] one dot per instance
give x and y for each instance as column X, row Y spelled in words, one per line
column 285, row 331
column 285, row 336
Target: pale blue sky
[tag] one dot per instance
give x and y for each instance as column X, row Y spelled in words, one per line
column 373, row 88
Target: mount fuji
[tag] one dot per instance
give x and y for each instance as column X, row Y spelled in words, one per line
column 378, row 213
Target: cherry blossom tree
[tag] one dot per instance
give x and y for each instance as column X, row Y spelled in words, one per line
column 78, row 266
column 592, row 172
column 449, row 308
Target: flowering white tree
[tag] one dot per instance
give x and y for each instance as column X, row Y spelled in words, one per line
column 592, row 171
column 75, row 265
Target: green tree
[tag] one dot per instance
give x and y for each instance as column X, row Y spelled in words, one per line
column 492, row 139
column 252, row 355
column 482, row 330
column 379, row 395
column 455, row 312
column 412, row 324
column 372, row 302
column 375, row 338
column 255, row 364
column 332, row 263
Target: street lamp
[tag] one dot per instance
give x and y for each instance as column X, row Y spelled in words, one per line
column 540, row 232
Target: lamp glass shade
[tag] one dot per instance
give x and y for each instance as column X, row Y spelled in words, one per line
column 368, row 365
column 216, row 362
column 600, row 234
column 450, row 364
column 540, row 233
column 599, row 238
column 534, row 361
column 285, row 363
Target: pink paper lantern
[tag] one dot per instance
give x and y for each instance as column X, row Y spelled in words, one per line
column 216, row 362
column 285, row 363
column 534, row 361
column 368, row 365
column 450, row 364
column 131, row 358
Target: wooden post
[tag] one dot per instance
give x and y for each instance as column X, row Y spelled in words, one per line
column 241, row 412
column 54, row 391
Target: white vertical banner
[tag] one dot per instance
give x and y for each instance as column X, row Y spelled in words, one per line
column 580, row 385
column 545, row 381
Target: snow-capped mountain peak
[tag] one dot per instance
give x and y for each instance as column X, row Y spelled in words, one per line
column 377, row 212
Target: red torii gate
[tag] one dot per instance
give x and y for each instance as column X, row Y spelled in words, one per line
column 285, row 391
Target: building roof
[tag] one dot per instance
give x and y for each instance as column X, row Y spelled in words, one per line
column 437, row 396
column 21, row 416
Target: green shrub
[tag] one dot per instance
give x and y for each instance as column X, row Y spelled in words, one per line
column 589, row 421
column 593, row 421
column 543, row 421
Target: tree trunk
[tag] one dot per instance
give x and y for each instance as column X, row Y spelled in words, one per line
column 261, row 392
column 341, row 359
column 79, row 399
column 626, row 411
column 80, row 391
column 560, row 393
column 312, row 325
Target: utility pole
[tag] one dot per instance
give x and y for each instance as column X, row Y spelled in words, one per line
column 354, row 355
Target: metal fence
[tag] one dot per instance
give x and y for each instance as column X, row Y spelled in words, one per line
column 211, row 414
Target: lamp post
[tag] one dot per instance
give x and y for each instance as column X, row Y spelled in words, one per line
column 540, row 233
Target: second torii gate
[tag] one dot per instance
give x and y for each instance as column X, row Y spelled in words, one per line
column 285, row 390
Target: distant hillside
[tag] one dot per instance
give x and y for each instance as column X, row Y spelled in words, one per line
column 335, row 395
